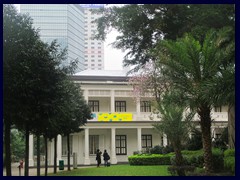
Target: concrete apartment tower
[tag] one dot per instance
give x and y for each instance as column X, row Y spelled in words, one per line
column 64, row 22
column 94, row 49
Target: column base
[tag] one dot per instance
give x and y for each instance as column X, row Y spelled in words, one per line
column 113, row 160
column 31, row 163
column 86, row 161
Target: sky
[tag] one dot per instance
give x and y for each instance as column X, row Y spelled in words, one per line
column 112, row 57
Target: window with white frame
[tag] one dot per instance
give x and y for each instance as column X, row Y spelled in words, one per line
column 218, row 109
column 93, row 144
column 121, row 144
column 146, row 141
column 145, row 106
column 120, row 106
column 94, row 105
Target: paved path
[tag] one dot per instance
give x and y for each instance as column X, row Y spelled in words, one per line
column 33, row 171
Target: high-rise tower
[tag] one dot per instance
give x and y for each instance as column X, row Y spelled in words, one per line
column 64, row 22
column 94, row 49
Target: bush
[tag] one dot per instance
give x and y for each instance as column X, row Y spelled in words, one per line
column 195, row 142
column 195, row 158
column 173, row 169
column 185, row 160
column 229, row 152
column 167, row 149
column 150, row 159
column 229, row 160
column 218, row 162
column 229, row 164
column 156, row 150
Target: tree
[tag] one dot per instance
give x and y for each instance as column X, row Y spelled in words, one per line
column 17, row 145
column 18, row 36
column 190, row 65
column 142, row 26
column 175, row 123
column 73, row 110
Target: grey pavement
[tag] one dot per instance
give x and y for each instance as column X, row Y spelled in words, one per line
column 33, row 171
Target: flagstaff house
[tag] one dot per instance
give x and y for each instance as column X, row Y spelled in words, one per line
column 120, row 124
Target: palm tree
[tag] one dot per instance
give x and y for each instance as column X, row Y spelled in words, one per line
column 190, row 64
column 175, row 123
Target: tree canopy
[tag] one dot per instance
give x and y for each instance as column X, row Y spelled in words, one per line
column 142, row 26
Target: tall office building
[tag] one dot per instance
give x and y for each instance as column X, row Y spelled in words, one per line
column 64, row 22
column 94, row 49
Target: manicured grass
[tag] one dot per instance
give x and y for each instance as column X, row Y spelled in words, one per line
column 117, row 170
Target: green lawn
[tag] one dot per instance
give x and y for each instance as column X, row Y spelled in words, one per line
column 117, row 170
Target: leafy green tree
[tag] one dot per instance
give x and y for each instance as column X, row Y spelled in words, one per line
column 18, row 36
column 17, row 145
column 190, row 65
column 73, row 110
column 142, row 26
column 175, row 123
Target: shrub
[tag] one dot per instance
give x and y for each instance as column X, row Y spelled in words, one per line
column 147, row 159
column 229, row 160
column 195, row 158
column 173, row 169
column 167, row 149
column 218, row 162
column 156, row 150
column 185, row 160
column 229, row 152
column 229, row 163
column 195, row 142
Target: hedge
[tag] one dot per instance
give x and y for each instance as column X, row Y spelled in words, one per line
column 191, row 158
column 150, row 159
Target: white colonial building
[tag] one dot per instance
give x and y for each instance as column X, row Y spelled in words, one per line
column 120, row 124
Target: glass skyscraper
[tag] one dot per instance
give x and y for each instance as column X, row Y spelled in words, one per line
column 63, row 22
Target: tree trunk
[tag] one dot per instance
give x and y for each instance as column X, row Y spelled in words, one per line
column 38, row 155
column 55, row 155
column 231, row 126
column 7, row 142
column 179, row 159
column 46, row 154
column 205, row 122
column 26, row 173
column 68, row 151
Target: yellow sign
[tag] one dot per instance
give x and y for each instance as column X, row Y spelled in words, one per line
column 115, row 117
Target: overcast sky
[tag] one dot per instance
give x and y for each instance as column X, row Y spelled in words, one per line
column 112, row 57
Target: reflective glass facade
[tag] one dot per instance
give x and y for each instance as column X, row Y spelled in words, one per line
column 64, row 22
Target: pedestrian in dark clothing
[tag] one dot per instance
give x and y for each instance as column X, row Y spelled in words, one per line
column 106, row 157
column 98, row 157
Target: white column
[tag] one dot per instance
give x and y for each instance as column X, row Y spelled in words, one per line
column 139, row 139
column 86, row 159
column 113, row 147
column 86, row 94
column 31, row 158
column 213, row 133
column 165, row 140
column 59, row 148
column 138, row 107
column 112, row 101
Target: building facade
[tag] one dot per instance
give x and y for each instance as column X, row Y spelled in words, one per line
column 93, row 49
column 63, row 22
column 120, row 124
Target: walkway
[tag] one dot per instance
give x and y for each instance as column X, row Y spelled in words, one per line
column 33, row 171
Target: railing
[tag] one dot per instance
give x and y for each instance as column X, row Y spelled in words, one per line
column 146, row 116
column 215, row 116
column 126, row 116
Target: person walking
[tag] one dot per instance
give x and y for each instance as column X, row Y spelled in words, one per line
column 106, row 157
column 98, row 157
